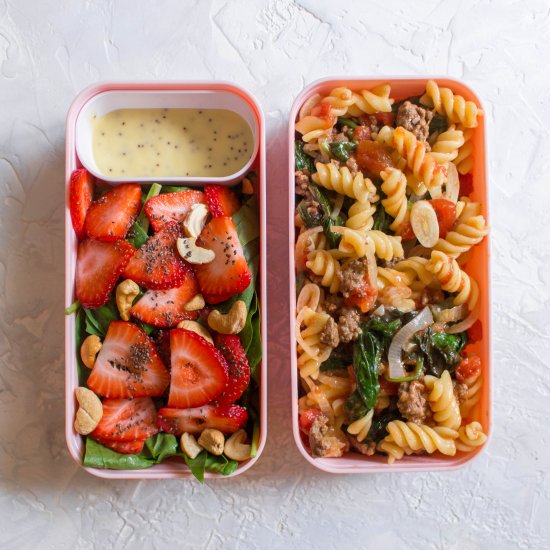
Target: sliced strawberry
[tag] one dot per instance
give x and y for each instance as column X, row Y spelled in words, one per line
column 239, row 369
column 128, row 364
column 123, row 447
column 221, row 200
column 228, row 273
column 226, row 419
column 98, row 266
column 161, row 339
column 157, row 264
column 199, row 371
column 171, row 207
column 111, row 216
column 127, row 420
column 166, row 308
column 81, row 195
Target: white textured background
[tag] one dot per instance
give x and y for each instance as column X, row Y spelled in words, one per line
column 50, row 50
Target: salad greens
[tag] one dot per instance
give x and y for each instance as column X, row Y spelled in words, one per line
column 341, row 149
column 366, row 359
column 302, row 160
column 441, row 351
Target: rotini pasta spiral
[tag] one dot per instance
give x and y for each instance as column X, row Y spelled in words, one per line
column 361, row 426
column 443, row 401
column 421, row 163
column 360, row 216
column 473, row 395
column 399, row 297
column 311, row 352
column 321, row 263
column 385, row 247
column 464, row 160
column 470, row 437
column 453, row 279
column 454, row 107
column 339, row 99
column 352, row 244
column 344, row 182
column 466, row 234
column 313, row 127
column 447, row 145
column 415, row 269
column 421, row 437
column 395, row 204
column 309, row 296
column 394, row 451
column 376, row 100
column 385, row 137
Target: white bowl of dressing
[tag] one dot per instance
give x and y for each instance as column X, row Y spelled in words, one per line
column 179, row 136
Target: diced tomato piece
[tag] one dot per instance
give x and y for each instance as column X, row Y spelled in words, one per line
column 466, row 184
column 475, row 332
column 469, row 366
column 362, row 132
column 306, row 419
column 373, row 157
column 407, row 233
column 322, row 109
column 389, row 388
column 446, row 215
column 385, row 118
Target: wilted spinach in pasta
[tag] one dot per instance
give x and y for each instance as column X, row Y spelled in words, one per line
column 386, row 308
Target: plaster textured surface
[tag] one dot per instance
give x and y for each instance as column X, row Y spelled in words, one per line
column 50, row 50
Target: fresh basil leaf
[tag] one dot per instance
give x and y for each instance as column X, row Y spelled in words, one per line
column 98, row 456
column 302, row 160
column 366, row 359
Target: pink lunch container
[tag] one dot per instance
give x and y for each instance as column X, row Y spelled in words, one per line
column 102, row 98
column 478, row 266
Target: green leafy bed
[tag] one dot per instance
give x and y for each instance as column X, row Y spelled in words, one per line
column 96, row 321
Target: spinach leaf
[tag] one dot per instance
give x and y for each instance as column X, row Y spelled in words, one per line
column 98, row 456
column 350, row 123
column 302, row 160
column 384, row 329
column 378, row 428
column 327, row 222
column 382, row 220
column 174, row 189
column 137, row 236
column 333, row 363
column 73, row 308
column 197, row 465
column 80, row 335
column 98, row 320
column 247, row 224
column 250, row 335
column 355, row 407
column 366, row 359
column 438, row 123
column 205, row 461
column 441, row 350
column 160, row 446
column 255, row 438
column 342, row 149
column 309, row 219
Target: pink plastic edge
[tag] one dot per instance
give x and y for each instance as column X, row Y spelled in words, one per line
column 357, row 464
column 171, row 469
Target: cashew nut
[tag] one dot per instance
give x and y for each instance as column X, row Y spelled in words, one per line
column 230, row 323
column 89, row 412
column 236, row 448
column 193, row 326
column 247, row 187
column 195, row 220
column 212, row 440
column 125, row 294
column 188, row 249
column 189, row 445
column 89, row 350
column 196, row 303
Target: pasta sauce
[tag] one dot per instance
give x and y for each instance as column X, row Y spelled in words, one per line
column 171, row 142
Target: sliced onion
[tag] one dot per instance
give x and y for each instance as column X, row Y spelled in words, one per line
column 308, row 105
column 464, row 325
column 379, row 311
column 424, row 223
column 404, row 334
column 451, row 315
column 452, row 186
column 372, row 268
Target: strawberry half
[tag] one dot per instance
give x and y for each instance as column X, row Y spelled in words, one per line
column 194, row 421
column 166, row 308
column 98, row 266
column 111, row 216
column 123, row 447
column 127, row 420
column 171, row 207
column 221, row 201
column 228, row 273
column 81, row 195
column 157, row 264
column 128, row 364
column 239, row 369
column 198, row 370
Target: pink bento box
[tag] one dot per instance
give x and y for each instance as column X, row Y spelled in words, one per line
column 234, row 97
column 478, row 267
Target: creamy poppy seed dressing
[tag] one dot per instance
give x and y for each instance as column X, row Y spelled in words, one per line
column 171, row 142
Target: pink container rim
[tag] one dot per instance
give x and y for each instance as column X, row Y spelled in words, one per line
column 172, row 468
column 353, row 463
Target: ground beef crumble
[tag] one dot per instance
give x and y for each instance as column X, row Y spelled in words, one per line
column 352, row 276
column 413, row 402
column 303, row 189
column 415, row 119
column 349, row 324
column 351, row 163
column 367, row 448
column 323, row 440
column 329, row 334
column 332, row 304
column 460, row 391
